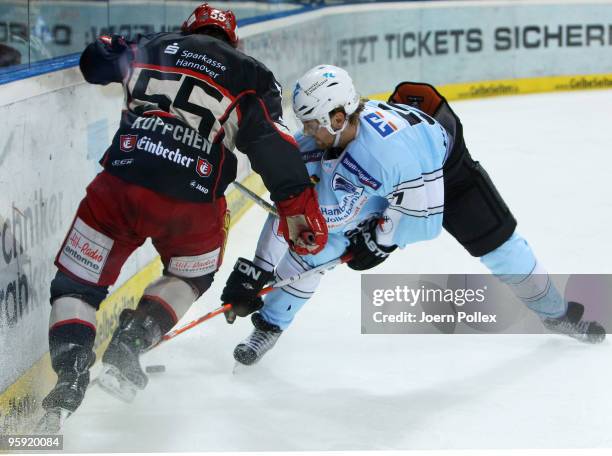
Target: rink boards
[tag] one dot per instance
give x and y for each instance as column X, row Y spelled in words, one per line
column 507, row 49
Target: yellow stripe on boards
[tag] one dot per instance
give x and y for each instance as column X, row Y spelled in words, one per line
column 504, row 87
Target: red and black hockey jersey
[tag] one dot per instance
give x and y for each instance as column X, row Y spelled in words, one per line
column 189, row 100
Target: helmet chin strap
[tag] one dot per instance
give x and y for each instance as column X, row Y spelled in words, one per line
column 337, row 133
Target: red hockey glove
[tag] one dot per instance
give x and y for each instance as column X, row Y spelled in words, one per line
column 302, row 224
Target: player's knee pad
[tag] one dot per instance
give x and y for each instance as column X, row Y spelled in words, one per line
column 474, row 212
column 175, row 294
column 64, row 285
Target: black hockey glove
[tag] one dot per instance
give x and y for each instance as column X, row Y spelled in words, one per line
column 367, row 253
column 115, row 44
column 242, row 287
column 106, row 60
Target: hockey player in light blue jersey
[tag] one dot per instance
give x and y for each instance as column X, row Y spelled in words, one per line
column 387, row 175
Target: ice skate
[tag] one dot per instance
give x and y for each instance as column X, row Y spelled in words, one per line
column 571, row 324
column 262, row 339
column 113, row 381
column 69, row 391
column 52, row 421
column 122, row 376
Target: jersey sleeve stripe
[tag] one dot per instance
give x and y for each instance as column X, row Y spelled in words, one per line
column 219, row 171
column 286, row 136
column 437, row 171
column 411, row 180
column 400, row 188
column 260, row 258
column 410, row 213
column 234, row 104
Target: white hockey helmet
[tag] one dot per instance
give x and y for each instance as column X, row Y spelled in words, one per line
column 321, row 90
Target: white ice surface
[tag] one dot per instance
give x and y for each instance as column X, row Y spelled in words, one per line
column 327, row 387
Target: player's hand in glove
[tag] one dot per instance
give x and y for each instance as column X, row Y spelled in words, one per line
column 301, row 222
column 106, row 60
column 113, row 43
column 367, row 253
column 242, row 287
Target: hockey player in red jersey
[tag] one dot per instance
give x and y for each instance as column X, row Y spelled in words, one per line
column 191, row 98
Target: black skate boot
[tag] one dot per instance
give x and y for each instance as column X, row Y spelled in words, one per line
column 262, row 339
column 121, row 374
column 571, row 324
column 72, row 362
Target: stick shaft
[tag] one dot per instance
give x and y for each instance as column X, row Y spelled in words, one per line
column 219, row 310
column 256, row 198
column 297, row 277
column 226, row 307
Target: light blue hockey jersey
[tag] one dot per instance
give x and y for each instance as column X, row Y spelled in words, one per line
column 393, row 168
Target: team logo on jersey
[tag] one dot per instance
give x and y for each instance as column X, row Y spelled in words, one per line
column 127, row 143
column 171, row 49
column 354, row 168
column 341, row 183
column 203, row 168
column 384, row 127
column 350, row 202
